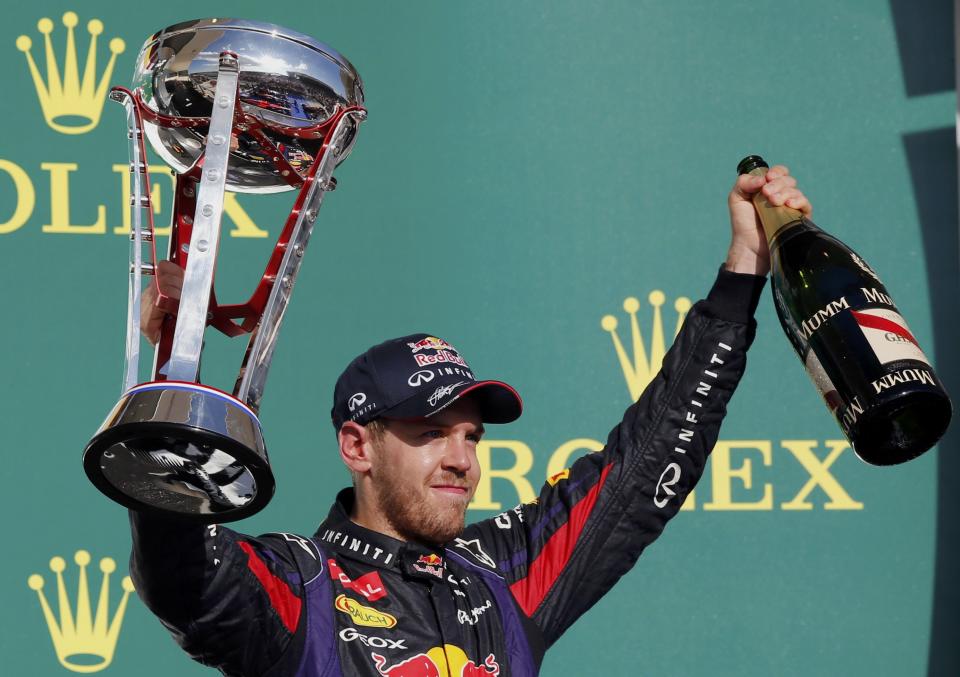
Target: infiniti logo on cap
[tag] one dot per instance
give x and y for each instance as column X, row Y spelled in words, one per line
column 418, row 378
column 356, row 400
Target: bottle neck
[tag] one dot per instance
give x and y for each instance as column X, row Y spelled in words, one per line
column 774, row 219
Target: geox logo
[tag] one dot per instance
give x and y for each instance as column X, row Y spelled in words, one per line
column 83, row 642
column 71, row 105
column 645, row 362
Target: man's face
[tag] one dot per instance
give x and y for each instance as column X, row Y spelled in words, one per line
column 426, row 472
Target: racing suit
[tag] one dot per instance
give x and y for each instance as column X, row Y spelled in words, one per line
column 350, row 601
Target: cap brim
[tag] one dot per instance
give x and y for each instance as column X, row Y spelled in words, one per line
column 499, row 403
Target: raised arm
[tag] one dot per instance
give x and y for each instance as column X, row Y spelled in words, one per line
column 231, row 601
column 562, row 552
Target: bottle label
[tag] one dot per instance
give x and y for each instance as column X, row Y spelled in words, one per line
column 888, row 335
column 820, row 379
column 819, row 318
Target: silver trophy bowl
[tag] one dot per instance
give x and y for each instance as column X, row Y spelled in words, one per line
column 288, row 81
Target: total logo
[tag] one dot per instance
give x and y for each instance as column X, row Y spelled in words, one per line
column 369, row 585
column 351, row 635
column 448, row 660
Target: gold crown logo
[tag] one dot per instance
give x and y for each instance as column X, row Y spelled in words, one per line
column 640, row 369
column 71, row 106
column 84, row 643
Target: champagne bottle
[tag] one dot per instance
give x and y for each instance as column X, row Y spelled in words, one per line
column 851, row 338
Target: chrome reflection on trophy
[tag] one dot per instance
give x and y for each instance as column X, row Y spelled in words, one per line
column 229, row 105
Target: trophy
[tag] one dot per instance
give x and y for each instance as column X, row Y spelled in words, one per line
column 229, row 105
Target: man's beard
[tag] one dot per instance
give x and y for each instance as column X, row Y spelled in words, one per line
column 414, row 519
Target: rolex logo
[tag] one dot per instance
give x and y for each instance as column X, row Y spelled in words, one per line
column 640, row 367
column 71, row 105
column 83, row 642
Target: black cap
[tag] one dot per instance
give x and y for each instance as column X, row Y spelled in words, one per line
column 415, row 377
column 749, row 163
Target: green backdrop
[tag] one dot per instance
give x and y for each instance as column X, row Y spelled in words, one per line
column 525, row 168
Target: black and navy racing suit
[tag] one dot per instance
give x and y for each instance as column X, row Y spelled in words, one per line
column 349, row 601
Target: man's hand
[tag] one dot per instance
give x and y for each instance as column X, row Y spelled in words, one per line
column 748, row 251
column 170, row 281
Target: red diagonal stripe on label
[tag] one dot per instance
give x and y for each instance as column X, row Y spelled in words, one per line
column 883, row 324
column 530, row 590
column 284, row 602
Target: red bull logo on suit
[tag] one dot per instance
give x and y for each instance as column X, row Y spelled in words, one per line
column 430, row 564
column 438, row 662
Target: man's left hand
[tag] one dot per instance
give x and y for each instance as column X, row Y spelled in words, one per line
column 748, row 251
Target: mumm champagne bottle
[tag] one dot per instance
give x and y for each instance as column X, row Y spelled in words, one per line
column 850, row 335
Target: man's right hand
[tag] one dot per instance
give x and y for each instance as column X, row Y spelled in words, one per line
column 169, row 281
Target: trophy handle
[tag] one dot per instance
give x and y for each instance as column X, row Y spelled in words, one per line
column 140, row 233
column 263, row 339
column 205, row 238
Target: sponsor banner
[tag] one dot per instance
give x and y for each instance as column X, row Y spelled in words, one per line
column 563, row 268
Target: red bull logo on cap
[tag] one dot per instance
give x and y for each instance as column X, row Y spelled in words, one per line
column 448, row 660
column 429, row 343
column 451, row 356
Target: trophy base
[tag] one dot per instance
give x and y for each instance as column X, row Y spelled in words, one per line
column 184, row 450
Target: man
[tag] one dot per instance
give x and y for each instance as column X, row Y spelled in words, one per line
column 392, row 583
